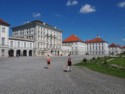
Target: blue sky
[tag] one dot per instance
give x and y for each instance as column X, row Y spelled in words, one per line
column 85, row 18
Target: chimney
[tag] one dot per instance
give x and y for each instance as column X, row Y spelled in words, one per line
column 44, row 23
column 98, row 36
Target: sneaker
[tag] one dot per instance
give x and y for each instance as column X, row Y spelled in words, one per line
column 65, row 71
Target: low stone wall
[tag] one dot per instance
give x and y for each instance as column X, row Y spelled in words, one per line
column 115, row 66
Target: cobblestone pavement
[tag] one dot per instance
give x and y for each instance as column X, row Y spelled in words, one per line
column 27, row 75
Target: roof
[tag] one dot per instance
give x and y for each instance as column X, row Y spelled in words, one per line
column 123, row 47
column 95, row 40
column 2, row 22
column 37, row 22
column 114, row 45
column 72, row 38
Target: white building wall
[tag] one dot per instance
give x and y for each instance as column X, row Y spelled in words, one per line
column 21, row 45
column 66, row 50
column 123, row 50
column 14, row 44
column 106, row 48
column 78, row 48
column 115, row 50
column 81, row 48
column 97, row 48
column 45, row 38
column 4, row 34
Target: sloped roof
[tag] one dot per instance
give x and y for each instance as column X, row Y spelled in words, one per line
column 4, row 23
column 72, row 38
column 113, row 45
column 95, row 40
column 38, row 22
column 123, row 47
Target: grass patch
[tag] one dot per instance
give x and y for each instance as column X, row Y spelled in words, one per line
column 103, row 69
column 119, row 61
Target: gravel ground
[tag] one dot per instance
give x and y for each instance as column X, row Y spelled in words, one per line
column 28, row 75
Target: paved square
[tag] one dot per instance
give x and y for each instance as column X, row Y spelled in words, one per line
column 27, row 75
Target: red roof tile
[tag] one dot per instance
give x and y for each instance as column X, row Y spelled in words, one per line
column 95, row 40
column 4, row 23
column 72, row 38
column 114, row 45
column 123, row 47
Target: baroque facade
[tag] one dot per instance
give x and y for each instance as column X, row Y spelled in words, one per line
column 97, row 46
column 37, row 38
column 20, row 47
column 78, row 47
column 114, row 49
column 47, row 39
column 4, row 35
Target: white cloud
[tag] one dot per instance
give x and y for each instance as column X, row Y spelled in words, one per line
column 57, row 15
column 121, row 4
column 35, row 15
column 123, row 39
column 26, row 22
column 87, row 9
column 71, row 2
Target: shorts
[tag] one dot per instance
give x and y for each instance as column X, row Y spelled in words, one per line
column 48, row 62
column 69, row 63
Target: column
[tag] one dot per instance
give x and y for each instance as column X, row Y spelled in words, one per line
column 27, row 52
column 14, row 52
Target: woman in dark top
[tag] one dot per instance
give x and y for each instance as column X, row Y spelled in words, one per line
column 69, row 64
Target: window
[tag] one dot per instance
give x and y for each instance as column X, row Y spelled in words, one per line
column 38, row 45
column 24, row 44
column 115, row 48
column 3, row 29
column 3, row 52
column 18, row 44
column 30, row 45
column 11, row 43
column 3, row 41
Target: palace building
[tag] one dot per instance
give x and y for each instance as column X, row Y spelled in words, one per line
column 78, row 47
column 20, row 47
column 4, row 35
column 46, row 38
column 36, row 38
column 114, row 49
column 97, row 46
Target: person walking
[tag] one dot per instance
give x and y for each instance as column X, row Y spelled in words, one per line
column 48, row 60
column 69, row 64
